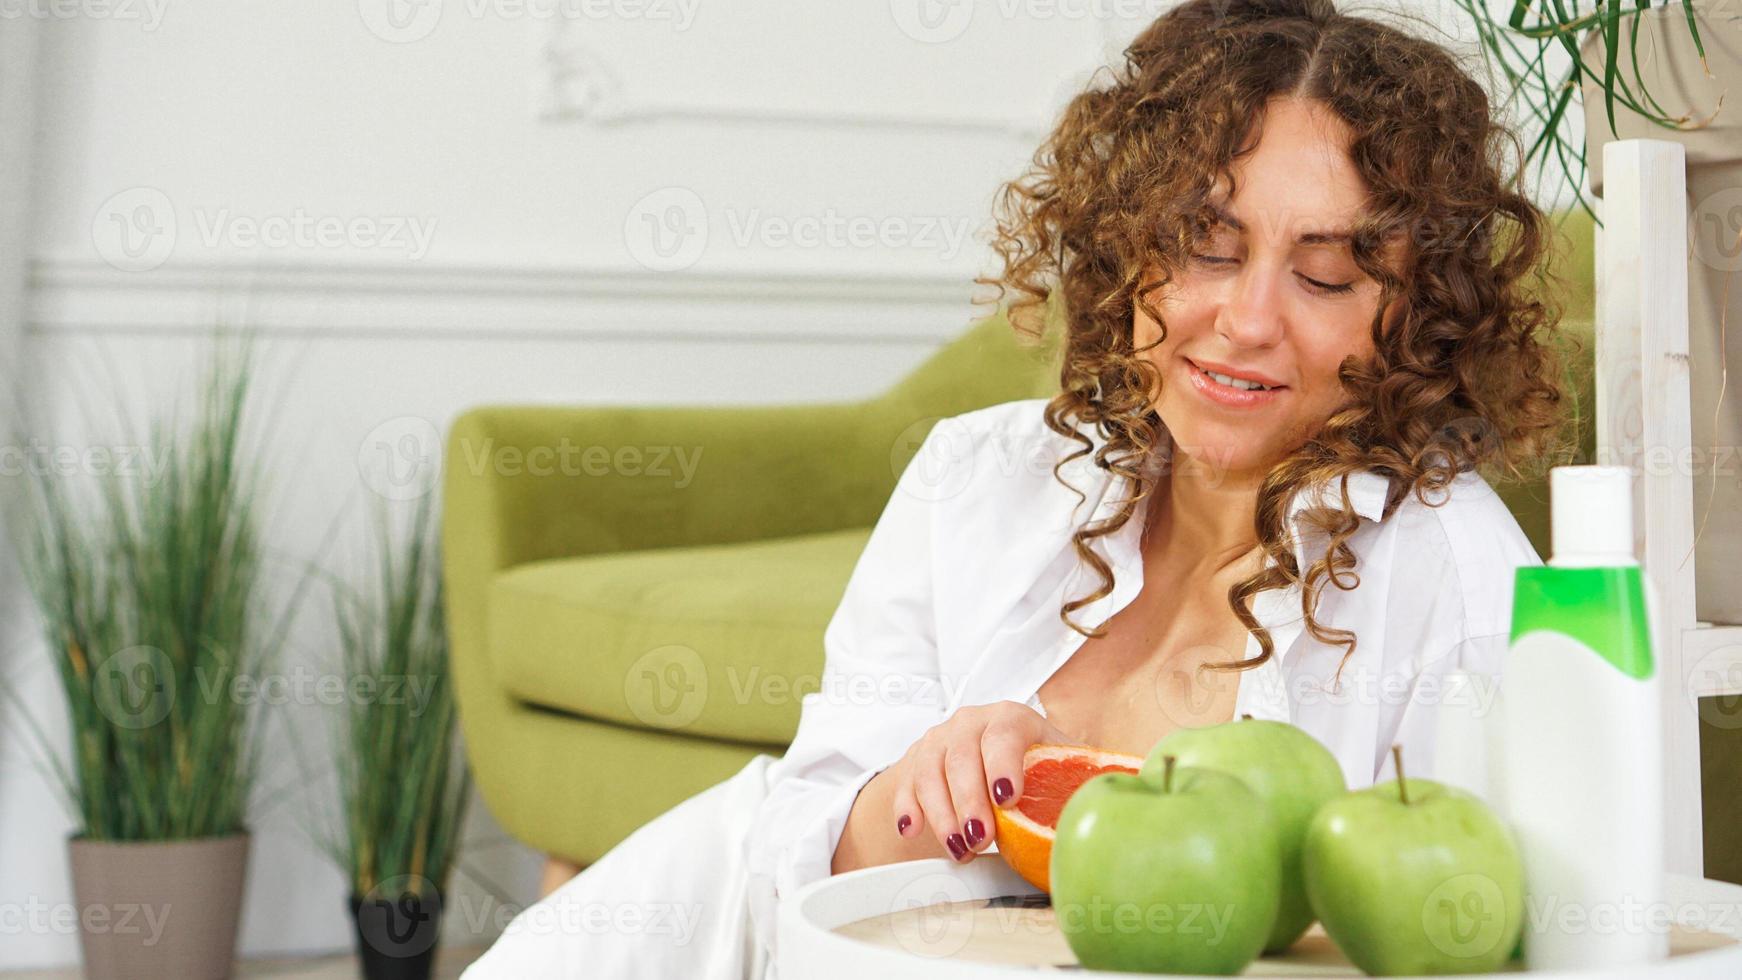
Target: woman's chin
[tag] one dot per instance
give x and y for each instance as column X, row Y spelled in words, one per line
column 1210, row 452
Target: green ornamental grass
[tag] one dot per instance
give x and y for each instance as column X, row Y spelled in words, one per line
column 149, row 588
column 402, row 785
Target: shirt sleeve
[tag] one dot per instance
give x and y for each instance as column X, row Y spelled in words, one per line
column 880, row 687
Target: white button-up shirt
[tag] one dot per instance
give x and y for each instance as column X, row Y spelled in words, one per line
column 955, row 601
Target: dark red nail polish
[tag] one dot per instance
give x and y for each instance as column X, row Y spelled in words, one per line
column 957, row 846
column 1002, row 791
column 975, row 830
column 902, row 824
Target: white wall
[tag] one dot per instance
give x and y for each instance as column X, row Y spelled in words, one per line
column 607, row 208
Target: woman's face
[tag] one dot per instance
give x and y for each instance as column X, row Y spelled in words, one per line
column 1270, row 294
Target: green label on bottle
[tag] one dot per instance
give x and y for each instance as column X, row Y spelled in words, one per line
column 1603, row 608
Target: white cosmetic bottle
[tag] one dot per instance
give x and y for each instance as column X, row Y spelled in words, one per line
column 1581, row 735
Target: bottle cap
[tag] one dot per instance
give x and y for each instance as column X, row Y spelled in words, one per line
column 1591, row 511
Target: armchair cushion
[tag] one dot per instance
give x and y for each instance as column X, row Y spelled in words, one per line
column 718, row 641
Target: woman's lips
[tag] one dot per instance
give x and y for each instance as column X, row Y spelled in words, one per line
column 1228, row 396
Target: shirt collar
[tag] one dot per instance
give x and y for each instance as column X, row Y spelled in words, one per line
column 1368, row 492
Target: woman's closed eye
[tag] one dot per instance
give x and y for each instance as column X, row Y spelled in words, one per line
column 1315, row 284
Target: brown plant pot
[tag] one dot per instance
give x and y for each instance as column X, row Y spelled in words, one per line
column 155, row 909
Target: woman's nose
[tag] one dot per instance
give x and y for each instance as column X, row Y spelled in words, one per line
column 1251, row 316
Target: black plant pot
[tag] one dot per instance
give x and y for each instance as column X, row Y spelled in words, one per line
column 396, row 938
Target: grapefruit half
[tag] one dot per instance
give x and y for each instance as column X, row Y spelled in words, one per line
column 1050, row 774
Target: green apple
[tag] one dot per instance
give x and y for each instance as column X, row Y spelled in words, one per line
column 1178, row 873
column 1290, row 770
column 1415, row 878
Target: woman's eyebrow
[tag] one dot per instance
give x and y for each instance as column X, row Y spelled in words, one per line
column 1339, row 237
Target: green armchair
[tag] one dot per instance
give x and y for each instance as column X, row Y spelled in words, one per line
column 636, row 596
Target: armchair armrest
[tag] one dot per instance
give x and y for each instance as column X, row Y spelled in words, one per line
column 525, row 483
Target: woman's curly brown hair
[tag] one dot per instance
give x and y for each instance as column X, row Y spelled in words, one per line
column 1467, row 375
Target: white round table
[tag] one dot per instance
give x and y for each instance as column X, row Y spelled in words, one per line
column 938, row 920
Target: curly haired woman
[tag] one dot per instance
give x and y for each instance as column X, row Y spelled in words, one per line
column 1300, row 308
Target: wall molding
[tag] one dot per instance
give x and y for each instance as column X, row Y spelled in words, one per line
column 579, row 83
column 70, row 295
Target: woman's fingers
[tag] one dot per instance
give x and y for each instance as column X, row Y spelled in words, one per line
column 964, row 768
column 933, row 793
column 908, row 816
column 966, row 773
column 1003, row 749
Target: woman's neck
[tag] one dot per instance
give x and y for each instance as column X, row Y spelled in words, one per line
column 1203, row 513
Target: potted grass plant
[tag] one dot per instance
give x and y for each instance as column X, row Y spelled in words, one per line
column 402, row 784
column 150, row 589
column 1652, row 69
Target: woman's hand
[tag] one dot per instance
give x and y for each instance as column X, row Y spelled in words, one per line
column 950, row 779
